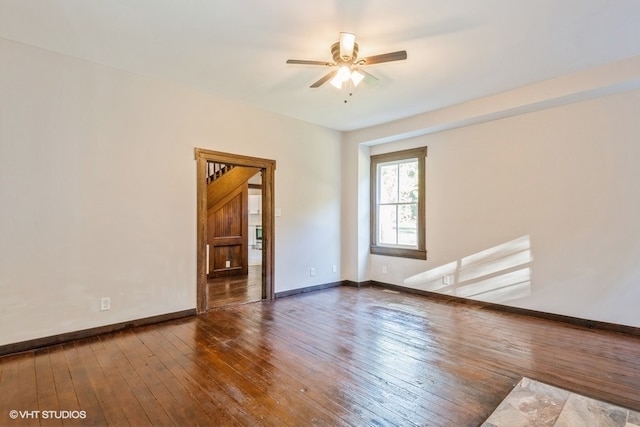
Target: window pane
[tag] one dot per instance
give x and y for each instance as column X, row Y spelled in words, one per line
column 408, row 181
column 398, row 204
column 388, row 183
column 408, row 225
column 387, row 225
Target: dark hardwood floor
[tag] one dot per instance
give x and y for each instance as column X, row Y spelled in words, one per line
column 240, row 289
column 340, row 356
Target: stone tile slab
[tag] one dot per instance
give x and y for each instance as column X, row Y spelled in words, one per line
column 536, row 404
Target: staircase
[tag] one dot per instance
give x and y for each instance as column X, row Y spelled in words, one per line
column 223, row 179
column 216, row 170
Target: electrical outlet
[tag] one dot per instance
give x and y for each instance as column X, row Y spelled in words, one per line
column 334, row 268
column 447, row 280
column 312, row 272
column 105, row 304
column 227, row 264
column 384, row 269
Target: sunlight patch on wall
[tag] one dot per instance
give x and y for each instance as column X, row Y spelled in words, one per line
column 498, row 274
column 431, row 280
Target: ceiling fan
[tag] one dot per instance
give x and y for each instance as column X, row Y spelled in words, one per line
column 348, row 65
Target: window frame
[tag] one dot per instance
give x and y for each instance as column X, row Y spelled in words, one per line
column 399, row 250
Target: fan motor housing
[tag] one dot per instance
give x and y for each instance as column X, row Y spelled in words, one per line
column 335, row 51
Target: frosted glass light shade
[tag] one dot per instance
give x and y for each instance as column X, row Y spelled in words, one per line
column 343, row 74
column 356, row 77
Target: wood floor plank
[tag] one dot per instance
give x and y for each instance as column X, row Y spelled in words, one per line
column 189, row 383
column 114, row 366
column 402, row 376
column 67, row 398
column 88, row 402
column 101, row 385
column 140, row 380
column 241, row 387
column 371, row 374
column 340, row 356
column 250, row 357
column 47, row 400
column 167, row 391
column 255, row 346
column 225, row 291
column 358, row 405
column 206, row 380
column 18, row 388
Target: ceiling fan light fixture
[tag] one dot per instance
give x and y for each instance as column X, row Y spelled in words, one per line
column 348, row 71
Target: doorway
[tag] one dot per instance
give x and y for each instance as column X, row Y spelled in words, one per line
column 267, row 172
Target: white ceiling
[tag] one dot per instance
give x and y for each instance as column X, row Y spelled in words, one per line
column 457, row 49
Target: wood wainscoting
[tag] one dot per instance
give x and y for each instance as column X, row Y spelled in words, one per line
column 227, row 229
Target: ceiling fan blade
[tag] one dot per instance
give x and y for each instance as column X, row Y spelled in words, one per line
column 324, row 79
column 305, row 62
column 385, row 57
column 347, row 41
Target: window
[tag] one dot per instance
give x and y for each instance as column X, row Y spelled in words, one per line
column 398, row 204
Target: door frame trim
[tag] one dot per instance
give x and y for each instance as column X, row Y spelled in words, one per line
column 267, row 167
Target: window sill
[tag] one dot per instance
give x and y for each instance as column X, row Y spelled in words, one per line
column 399, row 252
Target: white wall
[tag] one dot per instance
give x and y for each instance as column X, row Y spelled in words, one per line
column 355, row 211
column 97, row 197
column 541, row 207
column 97, row 192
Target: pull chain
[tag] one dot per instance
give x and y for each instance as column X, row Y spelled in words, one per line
column 348, row 88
